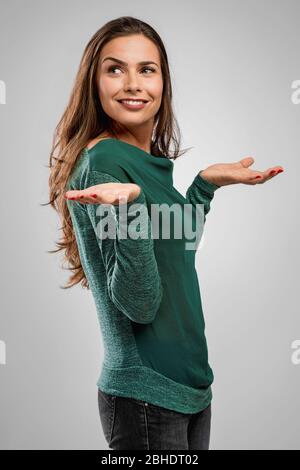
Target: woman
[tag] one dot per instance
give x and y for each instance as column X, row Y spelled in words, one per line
column 154, row 390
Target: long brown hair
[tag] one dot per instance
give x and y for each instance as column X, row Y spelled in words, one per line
column 84, row 119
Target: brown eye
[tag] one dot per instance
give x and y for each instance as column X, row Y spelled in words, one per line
column 113, row 67
column 149, row 68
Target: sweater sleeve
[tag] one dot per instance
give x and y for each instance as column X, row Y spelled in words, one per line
column 201, row 191
column 133, row 280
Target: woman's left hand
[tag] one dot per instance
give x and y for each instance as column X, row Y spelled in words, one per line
column 223, row 174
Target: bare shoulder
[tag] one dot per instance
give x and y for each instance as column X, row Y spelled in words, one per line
column 95, row 141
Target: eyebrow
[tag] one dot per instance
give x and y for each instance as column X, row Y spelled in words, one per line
column 143, row 62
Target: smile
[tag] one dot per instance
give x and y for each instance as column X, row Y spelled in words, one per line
column 133, row 104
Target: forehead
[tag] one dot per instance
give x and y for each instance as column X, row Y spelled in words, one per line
column 131, row 49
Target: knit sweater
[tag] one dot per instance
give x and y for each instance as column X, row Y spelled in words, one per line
column 145, row 288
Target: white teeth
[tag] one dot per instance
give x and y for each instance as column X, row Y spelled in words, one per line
column 132, row 102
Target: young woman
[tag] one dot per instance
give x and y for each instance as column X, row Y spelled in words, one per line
column 115, row 159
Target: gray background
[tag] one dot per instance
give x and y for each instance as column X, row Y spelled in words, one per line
column 232, row 64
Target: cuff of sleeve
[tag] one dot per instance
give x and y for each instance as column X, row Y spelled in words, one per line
column 205, row 185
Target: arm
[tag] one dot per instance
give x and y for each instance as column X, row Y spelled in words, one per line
column 201, row 192
column 133, row 279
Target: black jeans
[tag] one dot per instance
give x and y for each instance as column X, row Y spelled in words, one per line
column 130, row 424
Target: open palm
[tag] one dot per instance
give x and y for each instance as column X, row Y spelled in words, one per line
column 105, row 193
column 223, row 174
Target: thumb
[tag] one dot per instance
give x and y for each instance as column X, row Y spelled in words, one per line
column 246, row 162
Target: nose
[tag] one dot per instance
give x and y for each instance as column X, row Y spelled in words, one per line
column 132, row 81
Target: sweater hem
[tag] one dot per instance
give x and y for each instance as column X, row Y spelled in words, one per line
column 146, row 385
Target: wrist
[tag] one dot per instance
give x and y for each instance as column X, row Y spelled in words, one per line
column 208, row 180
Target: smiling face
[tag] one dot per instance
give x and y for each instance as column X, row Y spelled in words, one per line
column 134, row 72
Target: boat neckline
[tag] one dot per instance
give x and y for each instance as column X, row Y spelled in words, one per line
column 147, row 154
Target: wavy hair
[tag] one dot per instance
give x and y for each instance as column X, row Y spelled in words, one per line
column 84, row 119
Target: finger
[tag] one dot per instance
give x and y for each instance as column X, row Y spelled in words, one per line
column 268, row 174
column 84, row 196
column 257, row 177
column 263, row 176
column 72, row 194
column 88, row 200
column 247, row 161
column 275, row 170
column 105, row 196
column 271, row 172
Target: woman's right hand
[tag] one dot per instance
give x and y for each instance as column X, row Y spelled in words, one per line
column 105, row 193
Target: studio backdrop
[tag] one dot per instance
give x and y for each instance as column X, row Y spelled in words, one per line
column 235, row 73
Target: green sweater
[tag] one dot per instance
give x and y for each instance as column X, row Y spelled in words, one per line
column 146, row 289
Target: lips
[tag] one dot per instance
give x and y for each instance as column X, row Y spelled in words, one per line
column 133, row 105
column 131, row 99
